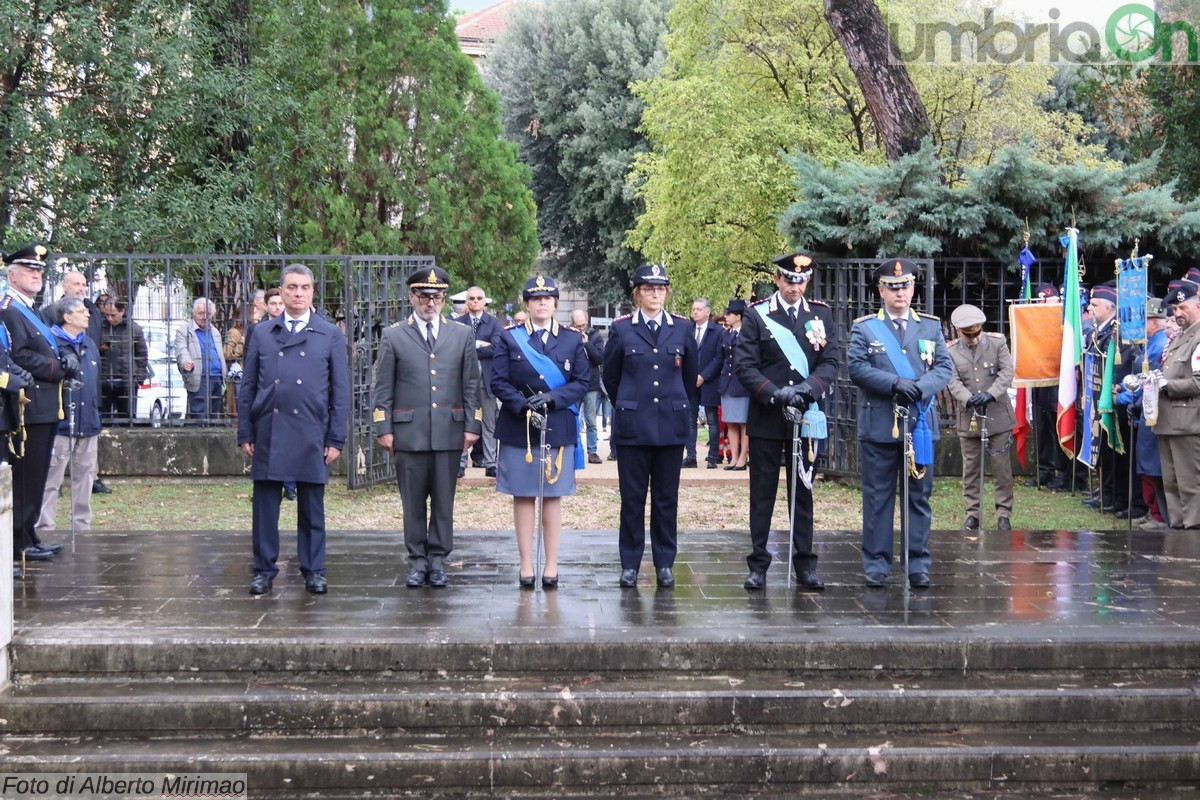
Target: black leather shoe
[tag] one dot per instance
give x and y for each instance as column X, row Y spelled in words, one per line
column 476, row 464
column 437, row 578
column 1032, row 483
column 416, row 578
column 462, row 472
column 665, row 577
column 971, row 524
column 689, row 463
column 490, row 472
column 755, row 581
column 628, row 578
column 1117, row 511
column 289, row 493
column 809, row 581
column 53, row 548
column 261, row 584
column 713, row 465
column 919, row 580
column 1092, row 502
column 549, row 582
column 38, row 554
column 525, row 581
column 98, row 487
column 1004, row 524
column 875, row 580
column 316, row 584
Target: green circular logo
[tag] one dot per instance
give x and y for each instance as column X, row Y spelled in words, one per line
column 1132, row 32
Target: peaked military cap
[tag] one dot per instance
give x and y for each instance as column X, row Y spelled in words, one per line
column 896, row 272
column 1155, row 309
column 31, row 256
column 540, row 286
column 736, row 306
column 1046, row 290
column 431, row 280
column 795, row 267
column 651, row 274
column 967, row 316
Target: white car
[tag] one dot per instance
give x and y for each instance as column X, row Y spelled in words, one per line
column 162, row 395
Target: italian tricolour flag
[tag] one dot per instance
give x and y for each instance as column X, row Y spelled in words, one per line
column 1072, row 346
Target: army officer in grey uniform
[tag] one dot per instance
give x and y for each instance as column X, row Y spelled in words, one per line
column 426, row 412
column 903, row 372
column 983, row 371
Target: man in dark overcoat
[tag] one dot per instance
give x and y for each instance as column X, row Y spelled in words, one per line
column 705, row 396
column 486, row 329
column 293, row 409
column 426, row 412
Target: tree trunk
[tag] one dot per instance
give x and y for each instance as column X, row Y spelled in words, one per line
column 899, row 113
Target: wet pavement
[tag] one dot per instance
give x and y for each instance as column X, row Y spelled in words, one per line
column 1015, row 586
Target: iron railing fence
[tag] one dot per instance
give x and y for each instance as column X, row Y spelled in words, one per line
column 361, row 294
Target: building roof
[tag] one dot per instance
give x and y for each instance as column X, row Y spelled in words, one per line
column 478, row 30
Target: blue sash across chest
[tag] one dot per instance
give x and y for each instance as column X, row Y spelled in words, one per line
column 550, row 372
column 922, row 434
column 37, row 322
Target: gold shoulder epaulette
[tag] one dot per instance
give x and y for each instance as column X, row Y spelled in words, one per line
column 864, row 317
column 398, row 324
column 928, row 316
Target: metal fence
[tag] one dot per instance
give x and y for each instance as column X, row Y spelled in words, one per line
column 848, row 286
column 361, row 294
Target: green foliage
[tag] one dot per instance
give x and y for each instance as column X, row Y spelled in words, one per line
column 905, row 208
column 749, row 85
column 563, row 71
column 285, row 125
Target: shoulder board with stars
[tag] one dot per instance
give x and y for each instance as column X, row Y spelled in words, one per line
column 678, row 318
column 759, row 302
column 821, row 303
column 864, row 317
column 453, row 321
column 622, row 319
column 929, row 316
column 399, row 323
column 5, row 301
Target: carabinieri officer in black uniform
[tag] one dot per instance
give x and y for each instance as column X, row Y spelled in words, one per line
column 788, row 355
column 540, row 366
column 649, row 363
column 898, row 360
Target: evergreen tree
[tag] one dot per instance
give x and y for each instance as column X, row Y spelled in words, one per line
column 563, row 72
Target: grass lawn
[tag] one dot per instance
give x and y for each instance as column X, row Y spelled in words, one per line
column 192, row 504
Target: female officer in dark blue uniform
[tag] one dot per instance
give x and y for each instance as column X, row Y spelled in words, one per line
column 649, row 363
column 539, row 366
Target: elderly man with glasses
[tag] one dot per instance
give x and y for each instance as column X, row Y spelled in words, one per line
column 486, row 329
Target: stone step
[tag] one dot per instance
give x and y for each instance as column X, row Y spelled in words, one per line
column 679, row 702
column 852, row 652
column 605, row 765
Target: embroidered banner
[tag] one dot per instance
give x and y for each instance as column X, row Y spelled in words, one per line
column 1131, row 298
column 1036, row 343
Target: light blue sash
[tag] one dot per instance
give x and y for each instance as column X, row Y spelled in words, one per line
column 922, row 435
column 554, row 378
column 814, row 417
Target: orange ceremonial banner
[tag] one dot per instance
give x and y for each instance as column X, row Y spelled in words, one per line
column 1036, row 343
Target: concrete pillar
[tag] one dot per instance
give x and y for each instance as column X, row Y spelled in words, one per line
column 6, row 579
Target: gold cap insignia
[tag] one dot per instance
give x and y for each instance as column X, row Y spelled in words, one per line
column 898, row 270
column 41, row 251
column 802, row 261
column 432, row 277
column 655, row 271
column 541, row 282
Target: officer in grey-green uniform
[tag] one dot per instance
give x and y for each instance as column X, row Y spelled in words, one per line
column 983, row 371
column 899, row 363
